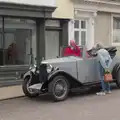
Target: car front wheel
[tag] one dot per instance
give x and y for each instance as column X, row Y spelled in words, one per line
column 118, row 78
column 26, row 90
column 59, row 88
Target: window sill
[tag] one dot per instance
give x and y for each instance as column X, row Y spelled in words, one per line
column 116, row 44
column 104, row 2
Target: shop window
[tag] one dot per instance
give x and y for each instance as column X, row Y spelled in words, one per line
column 80, row 32
column 16, row 41
column 116, row 30
column 1, row 40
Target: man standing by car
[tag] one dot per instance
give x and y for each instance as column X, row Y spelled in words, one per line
column 104, row 62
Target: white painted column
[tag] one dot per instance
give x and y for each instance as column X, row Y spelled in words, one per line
column 70, row 31
column 90, row 35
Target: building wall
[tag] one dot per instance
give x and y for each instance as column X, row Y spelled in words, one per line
column 103, row 28
column 64, row 9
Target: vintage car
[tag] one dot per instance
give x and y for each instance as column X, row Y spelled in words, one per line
column 60, row 75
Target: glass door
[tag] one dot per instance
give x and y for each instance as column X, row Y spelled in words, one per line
column 52, row 44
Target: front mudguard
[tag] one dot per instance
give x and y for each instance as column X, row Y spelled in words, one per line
column 55, row 73
column 70, row 78
column 34, row 79
column 27, row 74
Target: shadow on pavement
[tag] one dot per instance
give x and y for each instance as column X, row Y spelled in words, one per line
column 45, row 98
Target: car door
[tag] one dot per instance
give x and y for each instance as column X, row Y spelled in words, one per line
column 92, row 71
column 87, row 68
column 82, row 70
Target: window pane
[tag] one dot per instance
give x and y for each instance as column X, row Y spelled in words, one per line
column 0, row 39
column 116, row 29
column 76, row 37
column 116, row 23
column 83, row 37
column 17, row 42
column 1, row 43
column 83, row 24
column 116, row 36
column 76, row 24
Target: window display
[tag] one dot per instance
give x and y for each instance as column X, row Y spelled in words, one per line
column 16, row 41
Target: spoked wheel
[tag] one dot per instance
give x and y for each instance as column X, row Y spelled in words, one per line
column 118, row 79
column 26, row 90
column 59, row 88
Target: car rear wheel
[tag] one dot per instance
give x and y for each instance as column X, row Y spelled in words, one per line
column 26, row 90
column 118, row 78
column 59, row 88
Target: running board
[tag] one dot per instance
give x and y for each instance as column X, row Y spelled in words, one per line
column 36, row 86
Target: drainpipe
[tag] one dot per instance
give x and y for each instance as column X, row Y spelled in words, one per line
column 40, row 39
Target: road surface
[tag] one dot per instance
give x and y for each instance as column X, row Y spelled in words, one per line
column 82, row 106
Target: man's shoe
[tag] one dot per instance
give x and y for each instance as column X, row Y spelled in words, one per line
column 108, row 92
column 100, row 93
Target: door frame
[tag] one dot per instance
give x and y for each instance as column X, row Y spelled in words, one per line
column 88, row 15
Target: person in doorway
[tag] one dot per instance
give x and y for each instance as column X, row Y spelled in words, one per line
column 72, row 50
column 104, row 62
column 12, row 53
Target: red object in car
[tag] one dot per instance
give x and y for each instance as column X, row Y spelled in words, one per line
column 72, row 50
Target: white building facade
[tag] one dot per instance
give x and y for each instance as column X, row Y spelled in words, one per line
column 96, row 21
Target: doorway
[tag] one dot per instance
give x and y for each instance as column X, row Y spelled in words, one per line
column 52, row 44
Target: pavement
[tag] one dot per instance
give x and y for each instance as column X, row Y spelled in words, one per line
column 11, row 92
column 78, row 106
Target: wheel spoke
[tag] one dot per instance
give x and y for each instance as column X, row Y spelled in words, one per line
column 60, row 88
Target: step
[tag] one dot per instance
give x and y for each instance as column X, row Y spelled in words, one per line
column 10, row 82
column 10, row 75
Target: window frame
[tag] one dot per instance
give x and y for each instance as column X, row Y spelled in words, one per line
column 112, row 30
column 80, row 29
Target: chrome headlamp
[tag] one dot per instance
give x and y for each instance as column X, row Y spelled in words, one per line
column 49, row 68
column 33, row 68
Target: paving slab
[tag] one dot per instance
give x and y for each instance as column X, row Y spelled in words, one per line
column 11, row 92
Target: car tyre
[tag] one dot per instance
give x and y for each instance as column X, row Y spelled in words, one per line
column 59, row 88
column 118, row 79
column 26, row 91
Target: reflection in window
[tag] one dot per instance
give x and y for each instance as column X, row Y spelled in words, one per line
column 17, row 41
column 116, row 29
column 83, row 37
column 77, row 37
column 0, row 40
column 80, row 32
column 76, row 24
column 83, row 24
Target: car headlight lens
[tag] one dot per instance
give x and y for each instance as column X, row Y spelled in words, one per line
column 32, row 68
column 49, row 68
